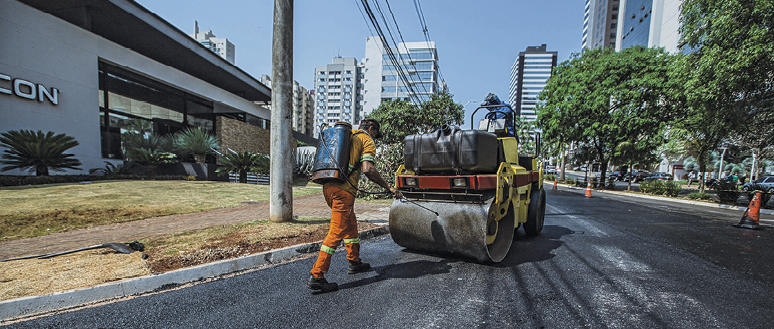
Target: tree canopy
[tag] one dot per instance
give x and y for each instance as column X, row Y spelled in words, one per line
column 399, row 118
column 612, row 101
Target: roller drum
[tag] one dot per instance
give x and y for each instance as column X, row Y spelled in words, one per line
column 459, row 229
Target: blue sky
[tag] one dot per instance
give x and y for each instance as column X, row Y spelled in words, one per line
column 477, row 41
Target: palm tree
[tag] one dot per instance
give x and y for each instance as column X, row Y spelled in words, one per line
column 243, row 163
column 35, row 150
column 198, row 141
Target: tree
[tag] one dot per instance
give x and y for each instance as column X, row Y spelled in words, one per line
column 604, row 98
column 196, row 141
column 37, row 151
column 732, row 40
column 729, row 74
column 708, row 115
column 399, row 119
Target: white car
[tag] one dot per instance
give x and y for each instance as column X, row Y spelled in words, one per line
column 550, row 170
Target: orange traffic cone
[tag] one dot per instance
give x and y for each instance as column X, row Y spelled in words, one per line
column 752, row 214
column 588, row 190
column 554, row 183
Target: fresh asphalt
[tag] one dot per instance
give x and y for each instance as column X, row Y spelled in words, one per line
column 605, row 261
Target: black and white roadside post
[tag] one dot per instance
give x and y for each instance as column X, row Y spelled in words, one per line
column 281, row 173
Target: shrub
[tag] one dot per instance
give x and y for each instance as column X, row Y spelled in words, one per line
column 388, row 159
column 37, row 151
column 672, row 188
column 550, row 177
column 196, row 141
column 112, row 170
column 727, row 192
column 700, row 196
column 571, row 181
column 7, row 180
column 658, row 187
column 303, row 163
column 243, row 163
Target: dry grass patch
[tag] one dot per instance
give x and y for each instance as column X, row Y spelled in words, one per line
column 30, row 211
column 35, row 277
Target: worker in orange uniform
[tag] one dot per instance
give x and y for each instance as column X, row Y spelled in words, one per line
column 340, row 196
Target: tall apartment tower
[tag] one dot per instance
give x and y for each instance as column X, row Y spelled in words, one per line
column 418, row 61
column 303, row 107
column 338, row 93
column 220, row 46
column 649, row 23
column 529, row 74
column 600, row 24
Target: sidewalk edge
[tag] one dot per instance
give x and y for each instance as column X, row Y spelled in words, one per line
column 653, row 197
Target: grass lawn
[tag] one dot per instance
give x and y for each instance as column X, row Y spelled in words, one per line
column 29, row 211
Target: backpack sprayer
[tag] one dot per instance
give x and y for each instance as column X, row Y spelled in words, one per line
column 333, row 147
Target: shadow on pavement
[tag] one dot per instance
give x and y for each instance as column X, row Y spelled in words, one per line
column 408, row 270
column 535, row 249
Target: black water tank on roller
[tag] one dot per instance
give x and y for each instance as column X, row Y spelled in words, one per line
column 451, row 149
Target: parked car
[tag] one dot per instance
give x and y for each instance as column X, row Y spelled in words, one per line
column 765, row 183
column 659, row 176
column 551, row 170
column 616, row 175
column 636, row 176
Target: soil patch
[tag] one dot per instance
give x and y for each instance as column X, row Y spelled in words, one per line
column 232, row 246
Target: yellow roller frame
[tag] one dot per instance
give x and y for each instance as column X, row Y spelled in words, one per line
column 505, row 192
column 402, row 171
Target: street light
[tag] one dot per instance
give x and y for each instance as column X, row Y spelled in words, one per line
column 466, row 104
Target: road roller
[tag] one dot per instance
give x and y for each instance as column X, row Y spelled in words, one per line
column 467, row 192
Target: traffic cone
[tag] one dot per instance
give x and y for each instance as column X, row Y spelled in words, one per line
column 588, row 190
column 752, row 214
column 554, row 183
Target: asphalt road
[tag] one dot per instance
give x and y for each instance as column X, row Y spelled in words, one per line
column 603, row 262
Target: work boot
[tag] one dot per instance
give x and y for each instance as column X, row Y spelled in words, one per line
column 357, row 267
column 321, row 284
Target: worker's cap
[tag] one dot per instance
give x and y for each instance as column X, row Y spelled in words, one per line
column 491, row 99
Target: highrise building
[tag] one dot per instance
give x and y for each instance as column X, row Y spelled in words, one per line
column 649, row 23
column 413, row 78
column 529, row 74
column 303, row 107
column 338, row 93
column 220, row 46
column 600, row 23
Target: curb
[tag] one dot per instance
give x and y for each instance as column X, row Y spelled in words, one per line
column 653, row 197
column 33, row 305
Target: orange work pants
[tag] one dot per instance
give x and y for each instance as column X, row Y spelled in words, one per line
column 343, row 228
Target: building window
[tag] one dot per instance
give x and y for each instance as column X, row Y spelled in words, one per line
column 133, row 104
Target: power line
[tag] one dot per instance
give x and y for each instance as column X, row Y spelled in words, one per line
column 411, row 60
column 387, row 48
column 400, row 65
column 421, row 14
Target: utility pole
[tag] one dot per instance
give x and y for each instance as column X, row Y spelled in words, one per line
column 280, row 171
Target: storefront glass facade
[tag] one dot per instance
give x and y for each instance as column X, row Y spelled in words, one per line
column 130, row 103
